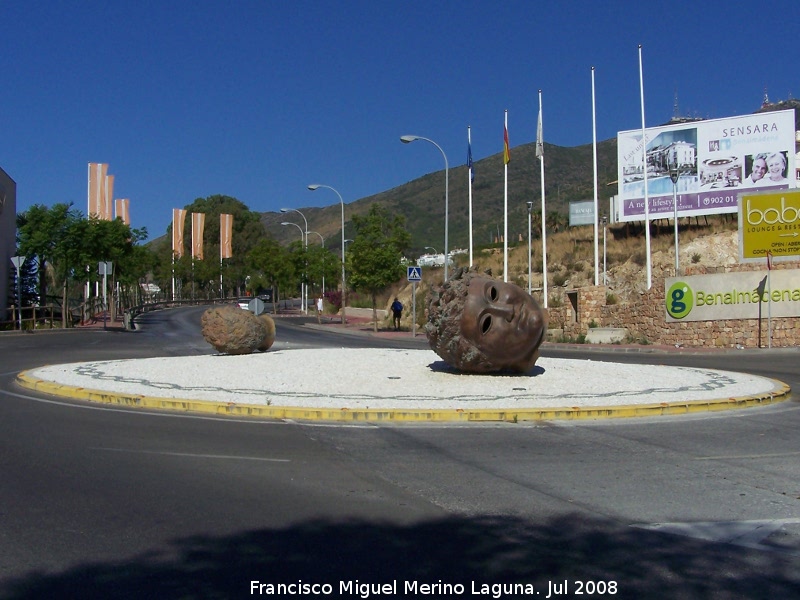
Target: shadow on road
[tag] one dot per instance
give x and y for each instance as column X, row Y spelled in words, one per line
column 484, row 550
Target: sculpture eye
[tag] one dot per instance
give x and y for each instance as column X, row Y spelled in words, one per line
column 486, row 323
column 493, row 294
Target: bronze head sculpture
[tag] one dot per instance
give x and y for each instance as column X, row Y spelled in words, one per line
column 480, row 325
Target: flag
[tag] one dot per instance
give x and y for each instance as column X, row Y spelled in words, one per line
column 122, row 210
column 769, row 260
column 506, row 155
column 97, row 188
column 198, row 224
column 469, row 162
column 108, row 199
column 225, row 236
column 539, row 138
column 178, row 218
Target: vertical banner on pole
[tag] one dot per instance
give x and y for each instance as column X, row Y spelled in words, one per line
column 122, row 210
column 198, row 224
column 178, row 219
column 97, row 189
column 225, row 236
column 108, row 195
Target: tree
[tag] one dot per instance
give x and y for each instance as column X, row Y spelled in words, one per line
column 375, row 254
column 270, row 266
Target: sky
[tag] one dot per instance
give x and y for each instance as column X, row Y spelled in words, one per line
column 257, row 99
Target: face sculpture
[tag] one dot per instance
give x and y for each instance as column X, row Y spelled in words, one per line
column 481, row 325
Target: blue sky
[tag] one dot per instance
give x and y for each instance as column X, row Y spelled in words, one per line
column 258, row 99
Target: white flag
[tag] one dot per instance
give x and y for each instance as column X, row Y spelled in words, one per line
column 539, row 138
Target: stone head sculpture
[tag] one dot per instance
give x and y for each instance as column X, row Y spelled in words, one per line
column 480, row 325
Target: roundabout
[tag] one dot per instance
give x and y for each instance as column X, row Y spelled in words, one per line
column 399, row 385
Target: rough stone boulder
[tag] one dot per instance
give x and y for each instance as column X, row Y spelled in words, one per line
column 269, row 336
column 232, row 330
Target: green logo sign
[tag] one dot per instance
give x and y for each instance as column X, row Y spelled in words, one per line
column 680, row 300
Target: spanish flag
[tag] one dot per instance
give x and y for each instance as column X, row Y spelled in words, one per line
column 506, row 155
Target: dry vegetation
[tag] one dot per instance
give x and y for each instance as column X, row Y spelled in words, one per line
column 570, row 259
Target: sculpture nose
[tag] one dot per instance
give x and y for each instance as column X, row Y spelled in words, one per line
column 504, row 311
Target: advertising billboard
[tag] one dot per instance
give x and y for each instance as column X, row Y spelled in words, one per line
column 717, row 159
column 769, row 222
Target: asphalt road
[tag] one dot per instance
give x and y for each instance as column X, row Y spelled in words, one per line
column 100, row 502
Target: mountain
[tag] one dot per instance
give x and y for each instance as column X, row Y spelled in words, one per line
column 568, row 178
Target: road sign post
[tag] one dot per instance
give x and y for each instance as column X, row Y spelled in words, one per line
column 414, row 275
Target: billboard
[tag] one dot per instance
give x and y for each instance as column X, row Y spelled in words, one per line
column 581, row 213
column 718, row 159
column 769, row 222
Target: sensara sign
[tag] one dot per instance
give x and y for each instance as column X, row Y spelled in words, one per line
column 769, row 222
column 724, row 296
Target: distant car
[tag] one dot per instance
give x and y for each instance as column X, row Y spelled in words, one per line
column 244, row 303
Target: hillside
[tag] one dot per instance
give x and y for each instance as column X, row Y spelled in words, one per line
column 568, row 178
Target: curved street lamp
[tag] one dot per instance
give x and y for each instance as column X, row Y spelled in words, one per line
column 407, row 139
column 304, row 241
column 315, row 186
column 322, row 240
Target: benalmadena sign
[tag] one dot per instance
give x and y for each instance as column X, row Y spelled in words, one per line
column 733, row 296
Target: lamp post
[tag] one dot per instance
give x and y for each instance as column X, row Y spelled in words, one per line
column 675, row 171
column 407, row 139
column 322, row 240
column 604, row 222
column 304, row 241
column 530, row 208
column 434, row 253
column 303, row 287
column 315, row 186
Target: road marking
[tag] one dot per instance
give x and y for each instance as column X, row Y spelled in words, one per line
column 740, row 456
column 748, row 534
column 192, row 455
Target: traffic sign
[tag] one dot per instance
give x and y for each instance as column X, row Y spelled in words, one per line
column 415, row 273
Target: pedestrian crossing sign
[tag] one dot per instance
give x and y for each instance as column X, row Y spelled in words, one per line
column 414, row 273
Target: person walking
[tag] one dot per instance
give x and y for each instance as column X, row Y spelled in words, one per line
column 397, row 313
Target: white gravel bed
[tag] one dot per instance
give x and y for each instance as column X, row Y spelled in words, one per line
column 398, row 379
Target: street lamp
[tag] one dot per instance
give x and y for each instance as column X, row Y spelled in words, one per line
column 675, row 172
column 316, row 186
column 530, row 207
column 604, row 223
column 407, row 139
column 322, row 240
column 303, row 286
column 304, row 241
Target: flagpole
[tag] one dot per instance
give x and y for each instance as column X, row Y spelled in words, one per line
column 506, row 158
column 540, row 154
column 644, row 171
column 594, row 165
column 469, row 177
column 769, row 299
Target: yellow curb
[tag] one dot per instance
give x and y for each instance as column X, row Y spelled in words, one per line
column 779, row 394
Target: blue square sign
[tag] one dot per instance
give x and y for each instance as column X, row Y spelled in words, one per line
column 414, row 273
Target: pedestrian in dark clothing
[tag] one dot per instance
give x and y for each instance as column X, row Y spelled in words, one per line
column 397, row 312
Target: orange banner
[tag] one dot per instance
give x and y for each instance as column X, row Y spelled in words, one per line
column 225, row 236
column 178, row 218
column 198, row 224
column 108, row 195
column 122, row 210
column 97, row 190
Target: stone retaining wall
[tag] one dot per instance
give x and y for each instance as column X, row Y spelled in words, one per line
column 646, row 322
